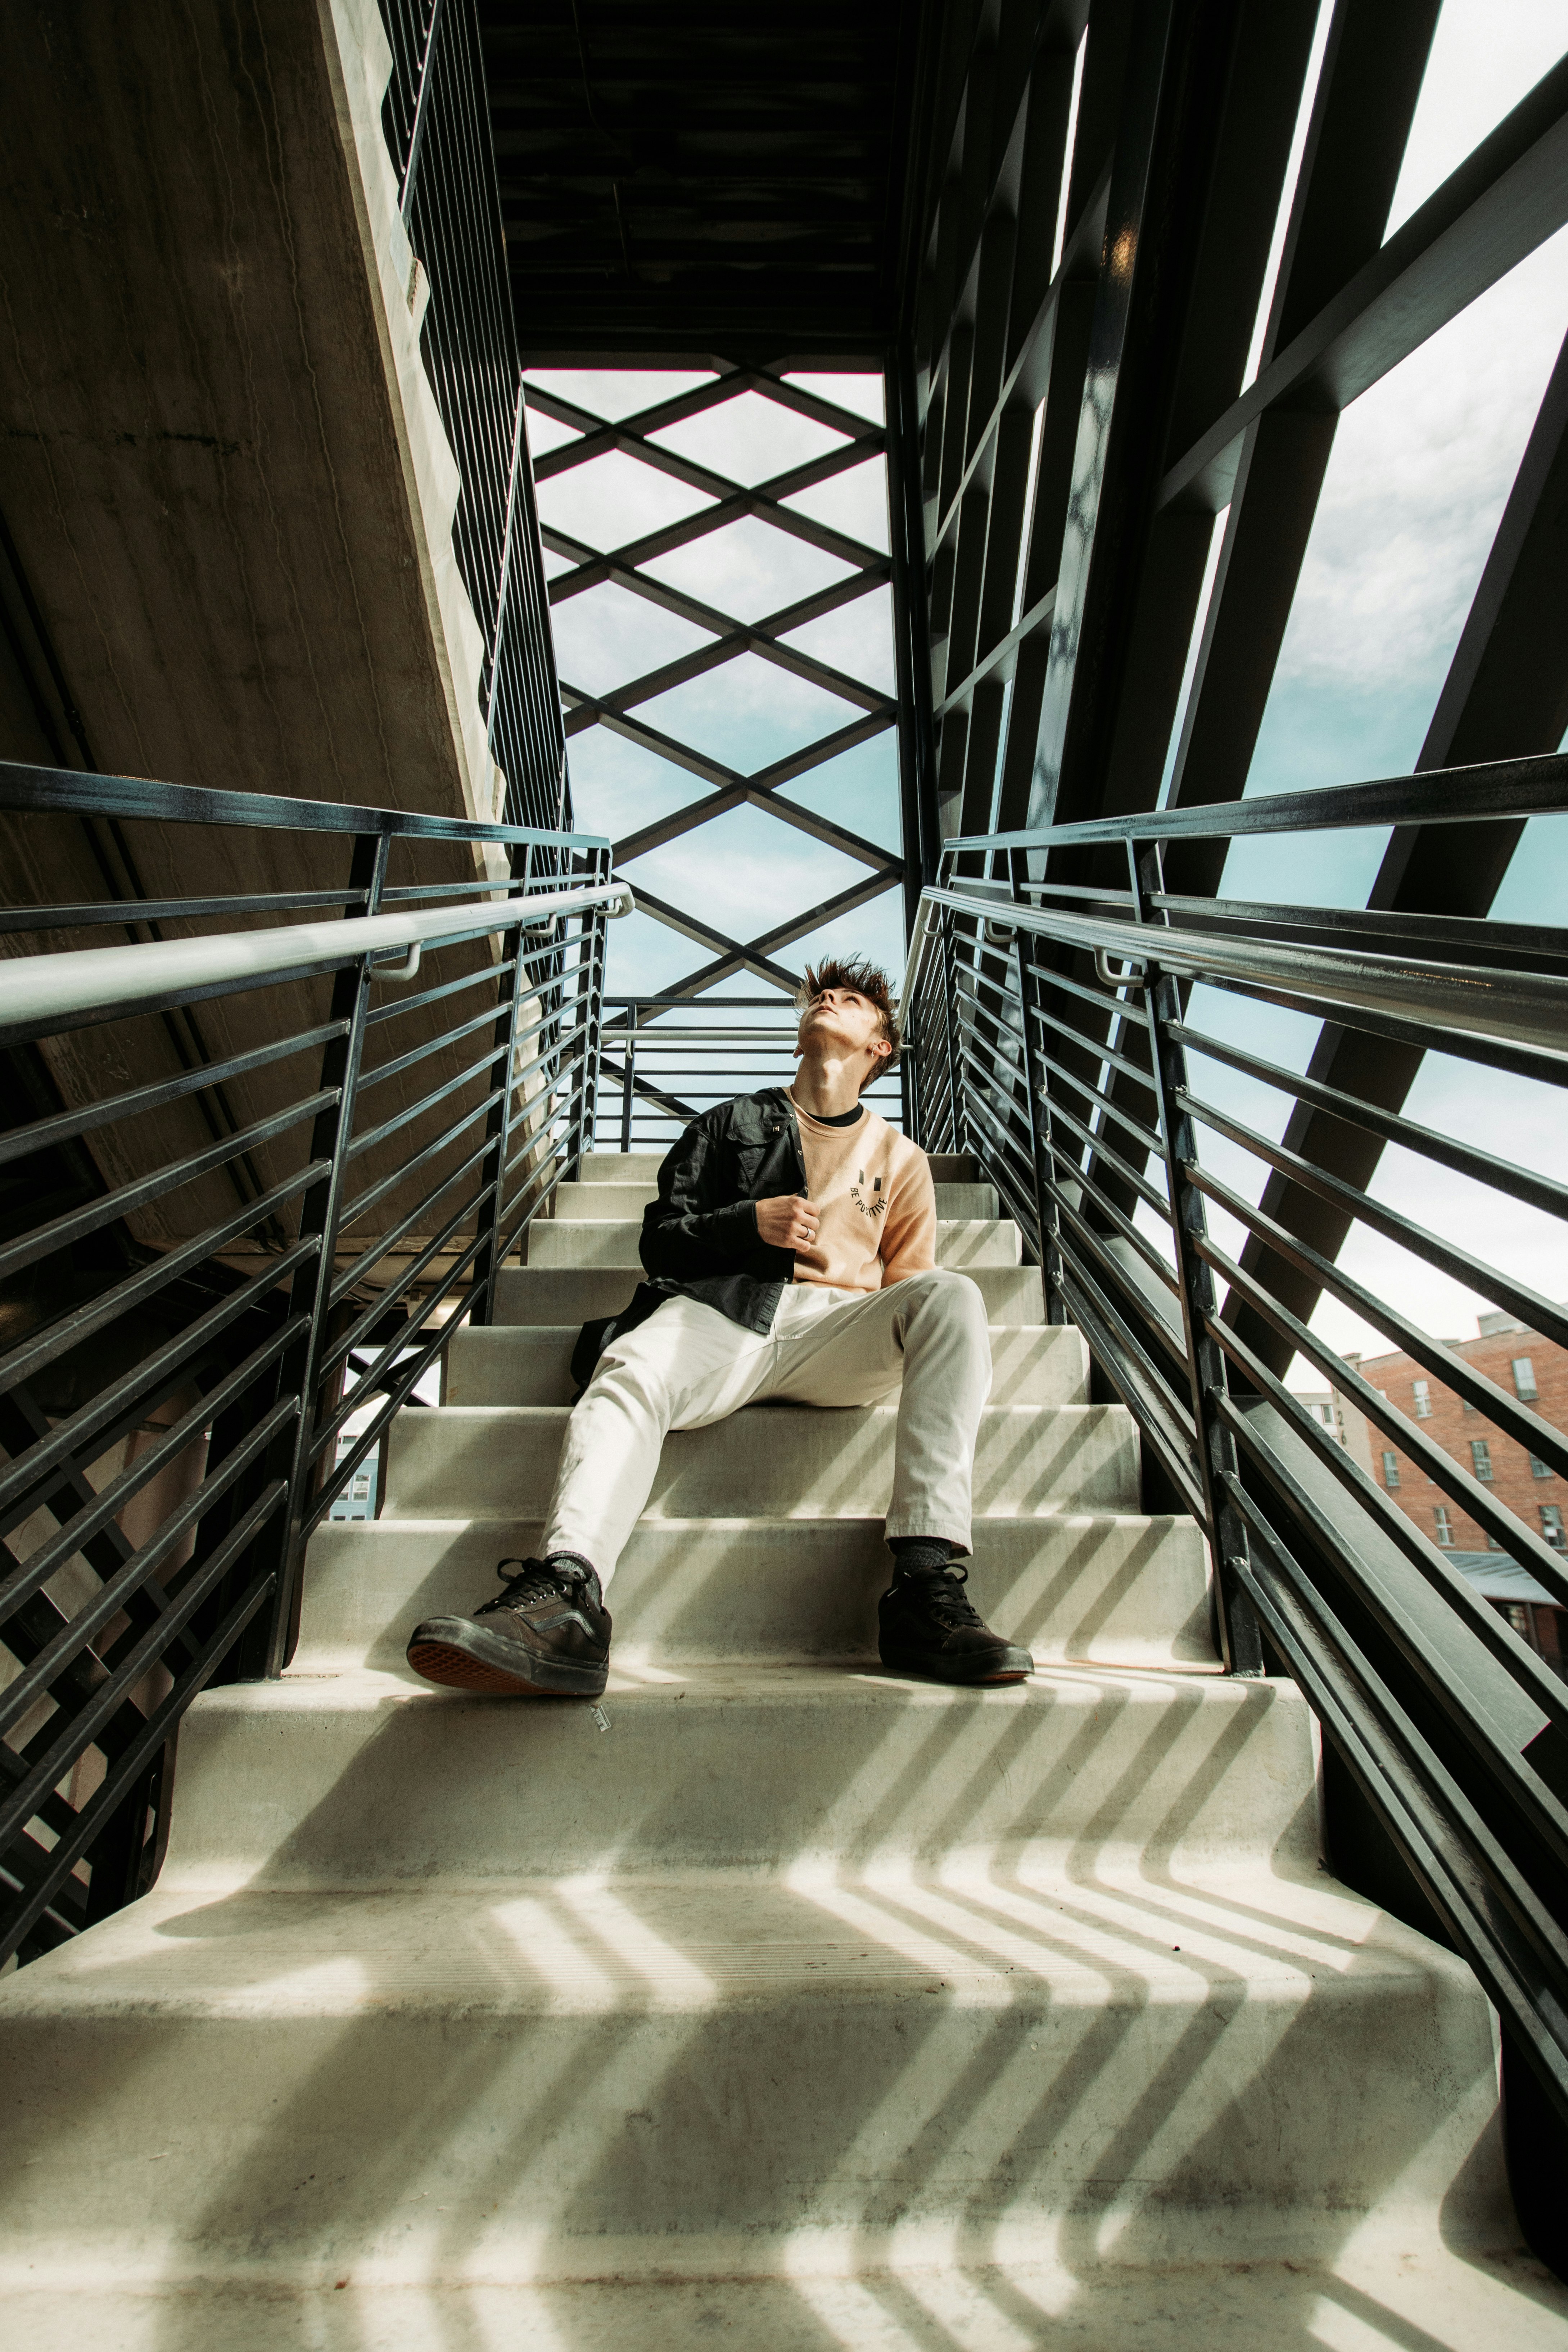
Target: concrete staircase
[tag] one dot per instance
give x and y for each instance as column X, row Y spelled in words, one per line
column 776, row 1997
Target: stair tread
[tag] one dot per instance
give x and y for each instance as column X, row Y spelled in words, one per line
column 368, row 1689
column 702, row 1938
column 1445, row 2298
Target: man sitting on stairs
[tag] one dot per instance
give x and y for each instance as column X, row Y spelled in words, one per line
column 790, row 1256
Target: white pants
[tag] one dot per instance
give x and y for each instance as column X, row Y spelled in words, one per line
column 688, row 1365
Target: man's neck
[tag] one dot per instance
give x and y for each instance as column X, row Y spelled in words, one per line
column 827, row 1089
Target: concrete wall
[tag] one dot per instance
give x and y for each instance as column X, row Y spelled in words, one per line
column 227, row 485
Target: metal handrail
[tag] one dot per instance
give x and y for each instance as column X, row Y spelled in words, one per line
column 220, row 1243
column 75, row 987
column 1524, row 1008
column 1049, row 1024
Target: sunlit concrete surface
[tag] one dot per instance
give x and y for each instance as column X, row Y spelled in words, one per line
column 778, row 1999
column 1438, row 2302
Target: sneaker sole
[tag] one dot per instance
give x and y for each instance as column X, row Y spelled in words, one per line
column 479, row 1662
column 1013, row 1666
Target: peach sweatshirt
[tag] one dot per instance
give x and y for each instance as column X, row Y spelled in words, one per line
column 872, row 1192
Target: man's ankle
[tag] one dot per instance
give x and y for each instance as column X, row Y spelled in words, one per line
column 911, row 1554
column 575, row 1565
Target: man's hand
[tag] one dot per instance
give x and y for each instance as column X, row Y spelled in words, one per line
column 786, row 1222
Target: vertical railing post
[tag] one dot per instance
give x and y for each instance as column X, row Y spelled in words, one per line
column 596, row 927
column 945, row 962
column 1047, row 1216
column 421, row 113
column 1240, row 1639
column 320, row 1213
column 630, row 1079
column 499, row 1122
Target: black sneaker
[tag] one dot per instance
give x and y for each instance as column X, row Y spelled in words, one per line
column 547, row 1636
column 927, row 1624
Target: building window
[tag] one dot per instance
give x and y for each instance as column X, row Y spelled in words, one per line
column 1423, row 1400
column 1445, row 1527
column 1537, row 1468
column 1551, row 1525
column 1523, row 1373
column 1391, row 1469
column 1481, row 1460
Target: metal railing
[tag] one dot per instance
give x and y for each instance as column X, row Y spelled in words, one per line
column 1109, row 1047
column 666, row 1060
column 436, row 120
column 207, row 1265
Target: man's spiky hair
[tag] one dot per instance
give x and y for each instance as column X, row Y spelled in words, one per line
column 868, row 980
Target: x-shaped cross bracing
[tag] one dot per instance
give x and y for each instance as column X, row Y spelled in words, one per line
column 617, row 709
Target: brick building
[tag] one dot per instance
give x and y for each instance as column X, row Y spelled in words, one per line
column 1524, row 1365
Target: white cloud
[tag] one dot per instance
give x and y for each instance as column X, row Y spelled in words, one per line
column 1421, row 469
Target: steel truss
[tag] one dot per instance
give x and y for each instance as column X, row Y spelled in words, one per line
column 618, row 710
column 1081, row 432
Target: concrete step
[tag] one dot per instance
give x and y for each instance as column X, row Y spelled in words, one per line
column 732, row 2078
column 1042, row 1363
column 377, row 1779
column 587, row 1240
column 834, row 2291
column 643, row 1167
column 557, row 1294
column 788, row 1462
column 1099, row 1587
column 625, row 1202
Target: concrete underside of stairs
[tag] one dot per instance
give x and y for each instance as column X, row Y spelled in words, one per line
column 778, row 1998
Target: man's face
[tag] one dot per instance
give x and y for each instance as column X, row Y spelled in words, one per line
column 842, row 1022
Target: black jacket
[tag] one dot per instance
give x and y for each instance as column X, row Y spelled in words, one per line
column 700, row 1236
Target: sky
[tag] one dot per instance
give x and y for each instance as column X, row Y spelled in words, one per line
column 1421, row 468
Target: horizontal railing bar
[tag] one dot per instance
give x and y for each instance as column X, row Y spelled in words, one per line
column 354, row 1339
column 1103, row 1150
column 1124, row 1224
column 1434, row 1825
column 1133, row 1374
column 1525, row 1008
column 1140, row 1074
column 1528, row 1429
column 1492, row 1748
column 467, row 1076
column 370, row 1258
column 361, row 1204
column 74, row 1533
column 69, row 792
column 1099, row 1256
column 1471, row 932
column 485, row 1019
column 399, row 1390
column 1538, row 1192
column 45, row 1240
column 30, row 1356
column 1110, row 1109
column 1549, row 1068
column 1473, row 1273
column 134, row 1574
column 105, row 1801
column 1100, row 999
column 20, row 1475
column 1547, row 1689
column 67, row 1125
column 50, row 993
column 486, row 976
column 167, row 910
column 81, row 1728
column 1444, row 1470
column 1479, row 795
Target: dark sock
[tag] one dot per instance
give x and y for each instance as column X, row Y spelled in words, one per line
column 917, row 1552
